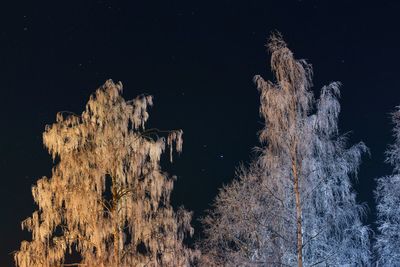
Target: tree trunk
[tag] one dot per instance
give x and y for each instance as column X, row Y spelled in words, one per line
column 298, row 216
column 116, row 226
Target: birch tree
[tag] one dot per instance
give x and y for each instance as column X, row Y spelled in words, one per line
column 294, row 205
column 107, row 198
column 387, row 245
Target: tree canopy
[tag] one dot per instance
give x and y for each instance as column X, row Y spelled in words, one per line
column 107, row 198
column 295, row 203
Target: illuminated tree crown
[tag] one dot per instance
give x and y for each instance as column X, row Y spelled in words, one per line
column 107, row 199
column 294, row 204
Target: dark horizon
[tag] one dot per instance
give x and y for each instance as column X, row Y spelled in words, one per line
column 198, row 61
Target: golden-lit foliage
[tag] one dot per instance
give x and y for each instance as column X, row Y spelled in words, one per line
column 107, row 198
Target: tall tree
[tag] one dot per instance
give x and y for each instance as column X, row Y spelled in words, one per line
column 387, row 245
column 294, row 205
column 107, row 198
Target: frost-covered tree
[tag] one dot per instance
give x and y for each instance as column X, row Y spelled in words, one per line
column 239, row 230
column 387, row 245
column 107, row 199
column 294, row 204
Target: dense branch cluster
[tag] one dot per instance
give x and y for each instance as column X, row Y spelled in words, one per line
column 387, row 245
column 294, row 204
column 107, row 198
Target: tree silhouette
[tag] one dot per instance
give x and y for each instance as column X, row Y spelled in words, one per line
column 107, row 198
column 294, row 204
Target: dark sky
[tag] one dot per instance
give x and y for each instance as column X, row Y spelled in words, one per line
column 197, row 60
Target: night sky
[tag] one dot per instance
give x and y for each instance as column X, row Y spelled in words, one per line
column 197, row 60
